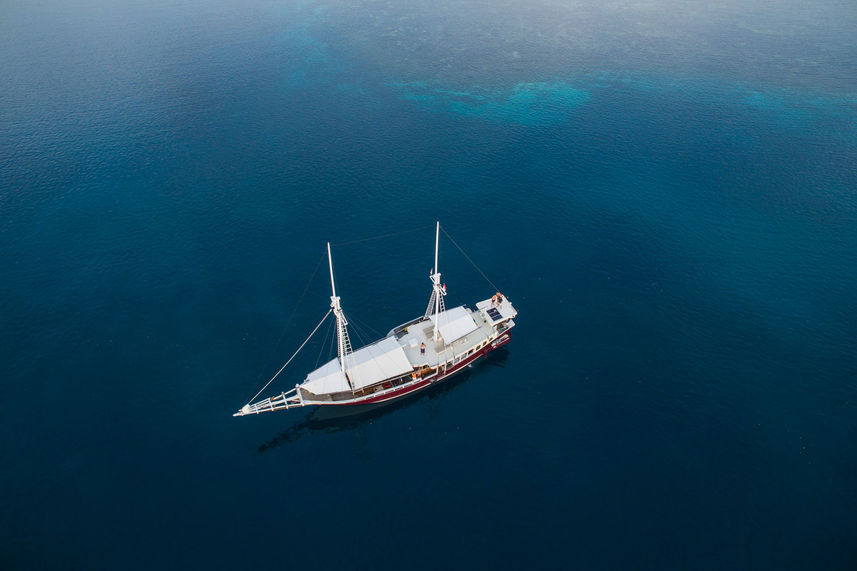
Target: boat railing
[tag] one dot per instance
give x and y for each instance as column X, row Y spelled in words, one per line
column 283, row 401
column 402, row 330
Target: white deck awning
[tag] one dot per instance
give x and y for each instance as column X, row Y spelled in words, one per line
column 326, row 379
column 376, row 362
column 369, row 365
column 454, row 323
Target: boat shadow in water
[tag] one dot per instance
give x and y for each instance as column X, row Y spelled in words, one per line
column 329, row 419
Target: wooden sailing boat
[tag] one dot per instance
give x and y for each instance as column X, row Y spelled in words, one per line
column 410, row 358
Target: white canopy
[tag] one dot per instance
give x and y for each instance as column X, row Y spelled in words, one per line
column 326, row 379
column 371, row 364
column 376, row 362
column 454, row 323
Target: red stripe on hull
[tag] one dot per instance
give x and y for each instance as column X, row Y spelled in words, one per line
column 410, row 389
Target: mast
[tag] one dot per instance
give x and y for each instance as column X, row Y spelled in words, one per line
column 343, row 343
column 436, row 242
column 437, row 291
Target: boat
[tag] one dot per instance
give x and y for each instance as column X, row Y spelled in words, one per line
column 410, row 358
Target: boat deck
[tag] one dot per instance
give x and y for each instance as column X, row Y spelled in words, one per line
column 439, row 351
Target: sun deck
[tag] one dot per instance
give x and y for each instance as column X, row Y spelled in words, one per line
column 412, row 335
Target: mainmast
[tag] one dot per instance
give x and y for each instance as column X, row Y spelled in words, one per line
column 437, row 291
column 343, row 343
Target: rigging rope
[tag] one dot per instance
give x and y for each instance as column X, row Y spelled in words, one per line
column 469, row 260
column 295, row 310
column 362, row 328
column 324, row 344
column 419, row 229
column 292, row 357
column 306, row 288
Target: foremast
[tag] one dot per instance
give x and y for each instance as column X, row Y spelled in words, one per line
column 343, row 343
column 438, row 291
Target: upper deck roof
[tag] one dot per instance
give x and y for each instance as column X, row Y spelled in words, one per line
column 454, row 323
column 376, row 362
column 326, row 379
column 373, row 363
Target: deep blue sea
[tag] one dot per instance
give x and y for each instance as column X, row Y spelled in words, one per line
column 667, row 192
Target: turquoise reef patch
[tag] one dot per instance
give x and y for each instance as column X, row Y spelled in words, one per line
column 526, row 103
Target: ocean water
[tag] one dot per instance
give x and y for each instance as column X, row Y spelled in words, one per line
column 667, row 195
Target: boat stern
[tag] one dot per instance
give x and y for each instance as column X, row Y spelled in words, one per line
column 497, row 310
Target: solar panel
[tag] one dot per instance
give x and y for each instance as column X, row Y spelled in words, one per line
column 494, row 314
